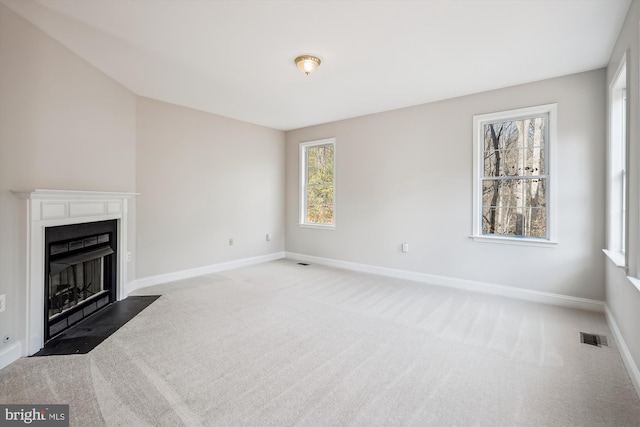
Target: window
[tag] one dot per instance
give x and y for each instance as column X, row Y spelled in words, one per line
column 617, row 176
column 513, row 176
column 317, row 160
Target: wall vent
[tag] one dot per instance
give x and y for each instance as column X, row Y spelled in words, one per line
column 593, row 339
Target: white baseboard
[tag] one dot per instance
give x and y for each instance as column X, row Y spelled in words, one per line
column 200, row 271
column 10, row 354
column 469, row 285
column 128, row 288
column 629, row 363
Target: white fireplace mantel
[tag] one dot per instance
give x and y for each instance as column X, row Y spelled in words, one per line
column 50, row 208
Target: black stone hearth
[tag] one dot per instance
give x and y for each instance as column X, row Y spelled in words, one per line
column 88, row 334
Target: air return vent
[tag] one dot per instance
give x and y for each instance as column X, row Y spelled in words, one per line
column 593, row 339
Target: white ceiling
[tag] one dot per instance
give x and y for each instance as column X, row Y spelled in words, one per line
column 235, row 58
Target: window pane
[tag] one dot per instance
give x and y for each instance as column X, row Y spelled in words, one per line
column 319, row 195
column 535, row 192
column 321, row 214
column 320, row 164
column 320, row 155
column 503, row 192
column 320, row 204
column 535, row 132
column 320, row 175
column 325, row 214
column 515, row 157
column 511, row 163
column 535, row 222
column 491, row 141
column 312, row 215
column 486, row 223
column 513, row 221
column 505, row 221
column 313, row 156
column 490, row 159
column 501, row 136
column 506, row 201
column 503, row 163
column 317, row 175
column 534, row 161
column 489, row 192
column 514, row 192
column 492, row 137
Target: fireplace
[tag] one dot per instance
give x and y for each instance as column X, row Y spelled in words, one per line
column 71, row 267
column 80, row 273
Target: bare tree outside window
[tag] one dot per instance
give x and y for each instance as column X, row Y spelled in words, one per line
column 514, row 180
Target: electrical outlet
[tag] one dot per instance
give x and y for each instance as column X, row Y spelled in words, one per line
column 128, row 256
column 268, row 237
column 230, row 242
column 3, row 302
column 405, row 247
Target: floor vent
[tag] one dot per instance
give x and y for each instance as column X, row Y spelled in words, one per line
column 593, row 339
column 302, row 263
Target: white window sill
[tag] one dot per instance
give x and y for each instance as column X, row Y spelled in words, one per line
column 318, row 226
column 617, row 258
column 635, row 282
column 519, row 241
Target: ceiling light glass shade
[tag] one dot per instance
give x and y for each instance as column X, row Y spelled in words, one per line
column 307, row 63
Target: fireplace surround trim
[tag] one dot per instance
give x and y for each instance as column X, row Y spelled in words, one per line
column 49, row 208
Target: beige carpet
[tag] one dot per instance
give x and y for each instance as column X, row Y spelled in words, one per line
column 281, row 344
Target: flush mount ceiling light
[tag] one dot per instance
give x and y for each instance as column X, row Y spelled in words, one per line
column 307, row 63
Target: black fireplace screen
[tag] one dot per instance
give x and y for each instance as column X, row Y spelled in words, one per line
column 81, row 272
column 75, row 283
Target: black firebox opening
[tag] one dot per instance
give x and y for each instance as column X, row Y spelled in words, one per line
column 80, row 272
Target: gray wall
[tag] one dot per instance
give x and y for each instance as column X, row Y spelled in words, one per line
column 56, row 113
column 205, row 179
column 622, row 297
column 406, row 176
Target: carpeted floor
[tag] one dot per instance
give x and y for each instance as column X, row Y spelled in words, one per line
column 281, row 344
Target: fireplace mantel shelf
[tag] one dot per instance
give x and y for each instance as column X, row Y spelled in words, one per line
column 70, row 194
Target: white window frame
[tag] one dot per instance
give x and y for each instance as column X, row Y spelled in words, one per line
column 479, row 121
column 617, row 167
column 303, row 184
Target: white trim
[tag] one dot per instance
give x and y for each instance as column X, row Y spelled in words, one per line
column 302, row 194
column 130, row 287
column 452, row 282
column 616, row 257
column 635, row 282
column 627, row 358
column 551, row 110
column 515, row 241
column 615, row 198
column 50, row 208
column 10, row 354
column 318, row 226
column 70, row 194
column 201, row 271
